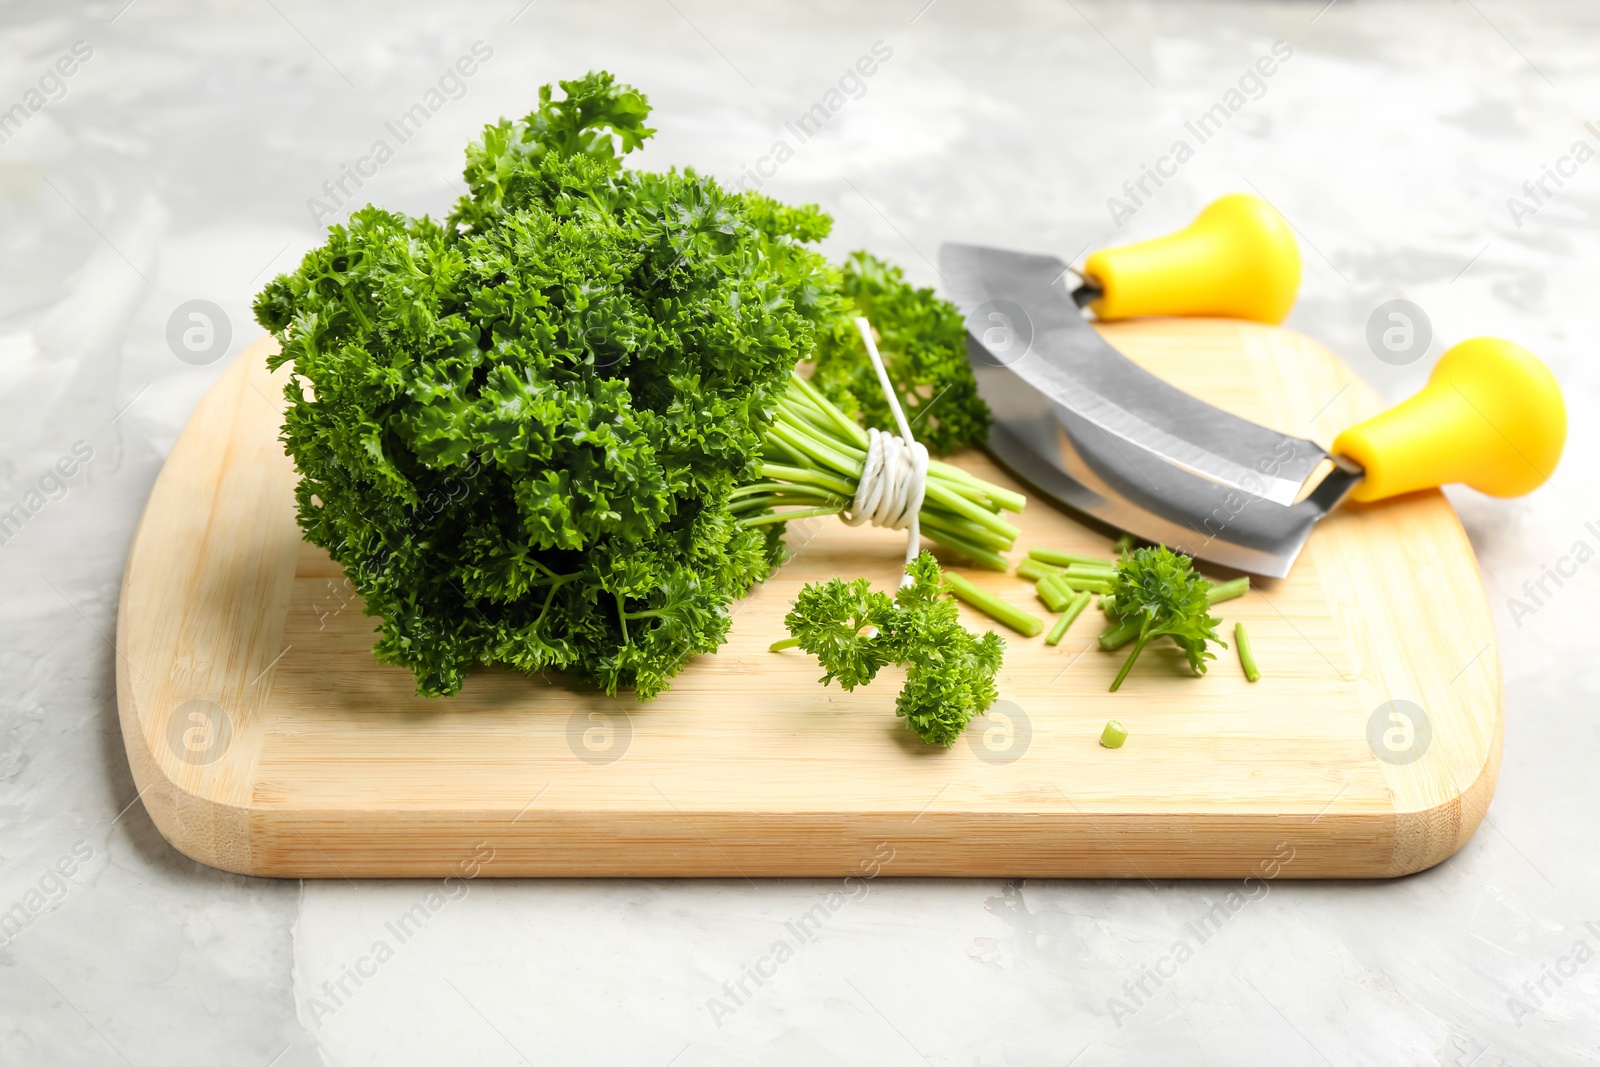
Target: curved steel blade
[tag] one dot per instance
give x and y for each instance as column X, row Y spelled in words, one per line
column 1085, row 424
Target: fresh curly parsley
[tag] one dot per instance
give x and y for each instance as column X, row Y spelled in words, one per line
column 518, row 430
column 1156, row 593
column 855, row 631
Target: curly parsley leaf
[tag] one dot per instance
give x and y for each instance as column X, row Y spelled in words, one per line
column 1158, row 590
column 855, row 631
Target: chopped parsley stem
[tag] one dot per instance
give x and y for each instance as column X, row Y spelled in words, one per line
column 1080, row 583
column 1114, row 734
column 1064, row 559
column 1033, row 570
column 1238, row 587
column 1247, row 654
column 1068, row 617
column 1054, row 593
column 1090, row 570
column 787, row 642
column 992, row 606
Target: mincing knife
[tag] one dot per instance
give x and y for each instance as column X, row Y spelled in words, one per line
column 1088, row 427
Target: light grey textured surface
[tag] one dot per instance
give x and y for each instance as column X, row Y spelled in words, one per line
column 177, row 165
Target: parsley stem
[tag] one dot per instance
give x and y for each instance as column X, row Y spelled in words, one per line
column 992, row 606
column 813, row 457
column 1065, row 559
column 1247, row 654
column 1228, row 590
column 1119, row 635
column 1127, row 664
column 1034, row 571
column 787, row 642
column 1004, row 499
column 1080, row 583
column 842, row 421
column 1114, row 734
column 1068, row 617
column 1055, row 593
column 985, row 558
column 785, row 516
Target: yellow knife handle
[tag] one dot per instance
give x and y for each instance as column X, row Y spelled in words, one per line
column 1491, row 416
column 1238, row 259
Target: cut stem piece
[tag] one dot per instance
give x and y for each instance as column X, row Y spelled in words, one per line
column 1055, row 593
column 1068, row 617
column 1063, row 559
column 992, row 606
column 1228, row 590
column 1247, row 654
column 1033, row 570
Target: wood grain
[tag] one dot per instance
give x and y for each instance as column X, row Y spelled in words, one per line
column 266, row 740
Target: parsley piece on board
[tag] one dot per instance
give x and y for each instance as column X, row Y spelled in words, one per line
column 855, row 631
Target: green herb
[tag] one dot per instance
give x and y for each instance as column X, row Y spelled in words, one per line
column 519, row 430
column 1074, row 609
column 854, row 632
column 1114, row 734
column 923, row 342
column 1247, row 654
column 997, row 609
column 1158, row 593
column 1215, row 594
column 1064, row 559
column 1124, row 544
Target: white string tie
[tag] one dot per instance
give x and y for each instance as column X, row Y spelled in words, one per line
column 895, row 478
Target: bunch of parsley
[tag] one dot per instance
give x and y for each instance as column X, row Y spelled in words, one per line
column 518, row 430
column 855, row 632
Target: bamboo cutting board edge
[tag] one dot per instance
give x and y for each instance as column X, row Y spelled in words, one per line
column 227, row 815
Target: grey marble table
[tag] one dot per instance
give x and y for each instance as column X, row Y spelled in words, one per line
column 166, row 153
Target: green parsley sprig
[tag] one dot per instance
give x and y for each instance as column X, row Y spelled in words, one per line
column 1156, row 593
column 855, row 631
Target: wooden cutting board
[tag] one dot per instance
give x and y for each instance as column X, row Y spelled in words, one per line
column 264, row 738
